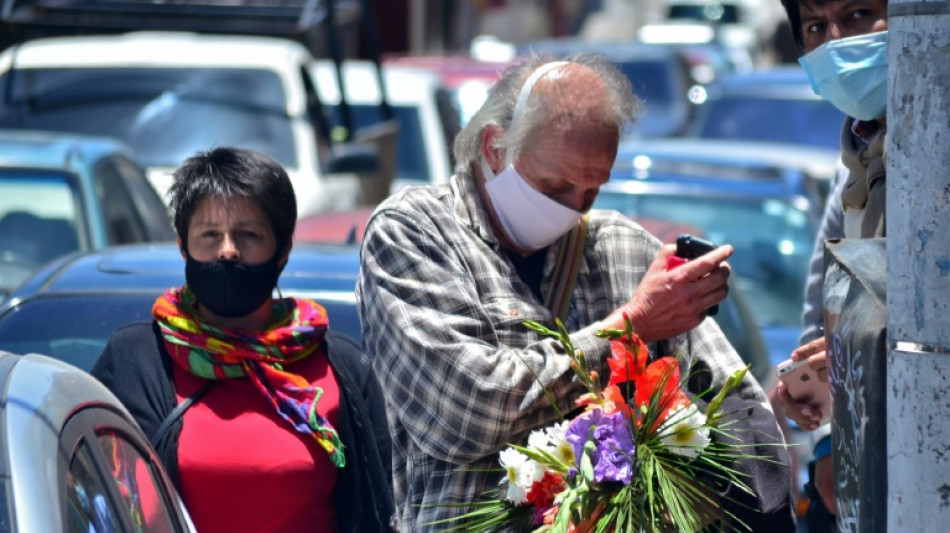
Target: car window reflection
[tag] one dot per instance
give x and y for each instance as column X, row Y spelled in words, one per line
column 136, row 483
column 87, row 503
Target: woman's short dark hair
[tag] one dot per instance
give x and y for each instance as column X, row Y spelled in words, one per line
column 229, row 172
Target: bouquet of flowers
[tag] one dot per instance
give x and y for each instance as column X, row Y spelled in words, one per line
column 639, row 457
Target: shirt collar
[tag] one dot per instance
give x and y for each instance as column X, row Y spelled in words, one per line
column 469, row 209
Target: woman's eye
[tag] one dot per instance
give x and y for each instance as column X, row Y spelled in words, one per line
column 860, row 14
column 813, row 28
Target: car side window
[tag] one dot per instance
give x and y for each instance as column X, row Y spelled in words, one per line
column 122, row 221
column 88, row 508
column 113, row 481
column 138, row 487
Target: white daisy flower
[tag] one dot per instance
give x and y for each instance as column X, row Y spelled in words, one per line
column 520, row 474
column 538, row 439
column 684, row 431
column 560, row 448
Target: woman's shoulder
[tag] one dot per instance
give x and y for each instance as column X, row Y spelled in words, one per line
column 134, row 332
column 132, row 349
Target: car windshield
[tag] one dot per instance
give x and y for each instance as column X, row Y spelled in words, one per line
column 773, row 242
column 66, row 329
column 411, row 161
column 164, row 114
column 40, row 220
column 809, row 122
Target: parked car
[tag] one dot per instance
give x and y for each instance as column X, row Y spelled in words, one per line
column 769, row 213
column 70, row 307
column 73, row 459
column 61, row 193
column 818, row 164
column 660, row 76
column 774, row 105
column 171, row 94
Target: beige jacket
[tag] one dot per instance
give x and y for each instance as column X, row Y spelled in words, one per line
column 863, row 196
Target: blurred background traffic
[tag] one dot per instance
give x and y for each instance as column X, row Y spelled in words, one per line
column 101, row 99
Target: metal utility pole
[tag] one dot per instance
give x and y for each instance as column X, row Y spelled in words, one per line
column 918, row 258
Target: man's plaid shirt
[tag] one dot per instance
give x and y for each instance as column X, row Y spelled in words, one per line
column 442, row 313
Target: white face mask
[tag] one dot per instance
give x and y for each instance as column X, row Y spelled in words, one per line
column 531, row 219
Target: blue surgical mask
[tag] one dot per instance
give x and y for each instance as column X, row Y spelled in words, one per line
column 851, row 73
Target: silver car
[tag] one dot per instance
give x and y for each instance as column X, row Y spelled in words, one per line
column 72, row 458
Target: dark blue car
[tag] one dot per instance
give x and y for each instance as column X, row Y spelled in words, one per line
column 69, row 308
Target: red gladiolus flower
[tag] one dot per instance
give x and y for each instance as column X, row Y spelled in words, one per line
column 614, row 401
column 628, row 359
column 660, row 377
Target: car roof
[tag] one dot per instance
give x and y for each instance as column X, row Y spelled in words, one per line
column 60, row 151
column 638, row 169
column 154, row 48
column 819, row 163
column 322, row 271
column 63, row 387
column 773, row 82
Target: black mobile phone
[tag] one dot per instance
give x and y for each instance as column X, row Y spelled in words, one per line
column 690, row 247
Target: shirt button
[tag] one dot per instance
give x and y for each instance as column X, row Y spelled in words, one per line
column 513, row 311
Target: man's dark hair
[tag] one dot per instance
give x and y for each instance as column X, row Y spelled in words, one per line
column 231, row 173
column 793, row 10
column 795, row 19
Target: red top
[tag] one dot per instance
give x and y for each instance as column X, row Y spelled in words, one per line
column 244, row 468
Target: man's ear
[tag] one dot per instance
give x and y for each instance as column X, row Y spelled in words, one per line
column 493, row 156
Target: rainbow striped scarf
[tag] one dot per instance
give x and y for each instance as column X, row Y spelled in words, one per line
column 296, row 331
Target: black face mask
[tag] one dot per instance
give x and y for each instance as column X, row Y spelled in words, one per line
column 230, row 289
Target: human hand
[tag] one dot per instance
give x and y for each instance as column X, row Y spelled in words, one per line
column 816, row 355
column 805, row 414
column 669, row 303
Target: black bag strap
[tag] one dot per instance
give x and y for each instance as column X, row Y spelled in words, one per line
column 178, row 411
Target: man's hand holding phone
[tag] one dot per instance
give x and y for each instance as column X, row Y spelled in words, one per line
column 671, row 301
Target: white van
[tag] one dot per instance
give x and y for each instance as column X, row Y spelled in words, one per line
column 169, row 95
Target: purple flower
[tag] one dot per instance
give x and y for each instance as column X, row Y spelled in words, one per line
column 613, row 452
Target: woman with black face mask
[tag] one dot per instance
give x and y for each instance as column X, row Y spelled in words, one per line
column 264, row 418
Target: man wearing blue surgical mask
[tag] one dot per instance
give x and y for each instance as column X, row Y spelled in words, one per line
column 450, row 273
column 845, row 55
column 845, row 45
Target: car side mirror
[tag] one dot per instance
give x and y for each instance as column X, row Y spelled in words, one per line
column 354, row 158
